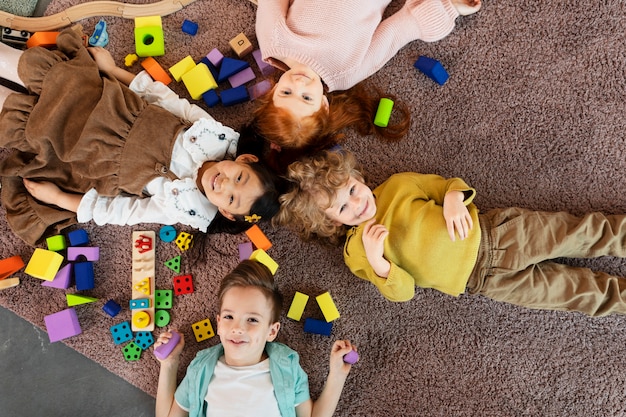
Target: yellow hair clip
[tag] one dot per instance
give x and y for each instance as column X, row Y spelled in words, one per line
column 253, row 218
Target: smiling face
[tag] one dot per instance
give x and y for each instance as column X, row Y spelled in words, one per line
column 300, row 91
column 354, row 204
column 232, row 186
column 244, row 325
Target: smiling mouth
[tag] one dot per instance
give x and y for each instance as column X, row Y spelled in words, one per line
column 364, row 209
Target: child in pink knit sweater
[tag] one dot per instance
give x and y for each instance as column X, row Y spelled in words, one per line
column 334, row 45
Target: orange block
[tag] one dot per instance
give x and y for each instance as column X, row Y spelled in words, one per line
column 45, row 39
column 155, row 70
column 11, row 265
column 258, row 238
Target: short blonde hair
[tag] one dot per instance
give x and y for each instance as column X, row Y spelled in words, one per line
column 314, row 184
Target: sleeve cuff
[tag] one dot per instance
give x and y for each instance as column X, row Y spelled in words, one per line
column 86, row 206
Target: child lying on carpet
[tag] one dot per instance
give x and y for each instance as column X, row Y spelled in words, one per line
column 94, row 142
column 337, row 44
column 247, row 373
column 424, row 230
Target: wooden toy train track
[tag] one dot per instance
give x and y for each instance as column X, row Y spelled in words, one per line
column 91, row 9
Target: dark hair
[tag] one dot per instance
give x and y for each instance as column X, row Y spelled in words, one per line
column 254, row 274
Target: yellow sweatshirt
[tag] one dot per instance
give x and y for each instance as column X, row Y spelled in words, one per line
column 418, row 246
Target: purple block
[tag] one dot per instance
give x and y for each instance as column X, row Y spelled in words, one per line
column 91, row 253
column 230, row 67
column 266, row 69
column 258, row 89
column 245, row 250
column 62, row 325
column 241, row 77
column 163, row 351
column 351, row 357
column 215, row 57
column 62, row 280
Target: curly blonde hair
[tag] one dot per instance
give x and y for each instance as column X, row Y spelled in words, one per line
column 314, row 182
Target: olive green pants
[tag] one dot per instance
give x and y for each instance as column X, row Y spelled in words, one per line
column 515, row 260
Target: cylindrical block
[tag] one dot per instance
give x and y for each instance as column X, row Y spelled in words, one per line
column 384, row 112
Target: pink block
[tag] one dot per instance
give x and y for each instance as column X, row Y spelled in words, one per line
column 258, row 89
column 241, row 77
column 266, row 69
column 92, row 253
column 163, row 351
column 215, row 57
column 62, row 325
column 62, row 279
column 245, row 250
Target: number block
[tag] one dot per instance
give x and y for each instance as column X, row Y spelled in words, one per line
column 203, row 330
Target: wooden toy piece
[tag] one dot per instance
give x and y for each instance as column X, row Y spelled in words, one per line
column 143, row 286
column 121, row 333
column 56, row 243
column 130, row 59
column 198, row 81
column 189, row 27
column 149, row 40
column 167, row 233
column 258, row 238
column 215, row 57
column 139, row 303
column 163, row 299
column 183, row 285
column 62, row 325
column 241, row 77
column 77, row 299
column 62, row 280
column 351, row 357
column 17, row 38
column 10, row 265
column 44, row 264
column 143, row 273
column 43, row 39
column 141, row 320
column 265, row 68
column 84, row 276
column 261, row 256
column 91, row 253
column 181, row 67
column 163, row 351
column 297, row 306
column 257, row 90
column 245, row 250
column 155, row 70
column 315, row 326
column 100, row 36
column 211, row 98
column 144, row 340
column 184, row 241
column 327, row 305
column 432, row 68
column 78, row 237
column 161, row 318
column 230, row 67
column 383, row 113
column 131, row 352
column 112, row 308
column 241, row 45
column 203, row 330
column 9, row 283
column 174, row 264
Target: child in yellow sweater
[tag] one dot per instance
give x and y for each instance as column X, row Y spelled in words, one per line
column 424, row 230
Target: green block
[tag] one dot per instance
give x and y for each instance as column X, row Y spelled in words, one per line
column 149, row 41
column 163, row 299
column 132, row 352
column 76, row 299
column 174, row 263
column 383, row 113
column 161, row 318
column 56, row 243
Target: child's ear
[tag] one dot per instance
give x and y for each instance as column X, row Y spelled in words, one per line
column 226, row 214
column 273, row 332
column 247, row 158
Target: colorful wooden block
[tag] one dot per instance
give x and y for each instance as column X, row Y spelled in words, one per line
column 91, row 253
column 211, row 98
column 43, row 39
column 315, row 326
column 230, row 66
column 139, row 303
column 189, row 27
column 83, row 276
column 62, row 325
column 265, row 68
column 184, row 241
column 112, row 308
column 167, row 233
column 141, row 320
column 351, row 357
column 162, row 351
column 215, row 57
column 181, row 67
column 383, row 112
column 183, row 285
column 149, row 40
column 143, row 273
column 121, row 332
column 203, row 330
column 144, row 340
column 258, row 238
column 77, row 299
column 432, row 68
column 261, row 256
column 161, row 318
column 132, row 352
column 44, row 264
column 155, row 70
column 78, row 237
column 62, row 280
column 56, row 243
column 241, row 77
column 241, row 45
column 143, row 286
column 163, row 299
column 257, row 90
column 327, row 305
column 10, row 266
column 173, row 264
column 234, row 96
column 198, row 81
column 297, row 306
column 9, row 283
column 245, row 250
column 130, row 59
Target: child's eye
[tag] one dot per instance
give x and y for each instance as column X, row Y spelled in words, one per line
column 286, row 92
column 239, row 177
column 253, row 320
column 352, row 190
column 307, row 97
column 227, row 317
column 341, row 208
column 231, row 199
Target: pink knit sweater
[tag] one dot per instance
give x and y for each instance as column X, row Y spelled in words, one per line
column 345, row 41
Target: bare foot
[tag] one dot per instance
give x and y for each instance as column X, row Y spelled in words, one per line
column 467, row 7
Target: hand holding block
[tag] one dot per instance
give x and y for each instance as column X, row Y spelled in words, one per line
column 351, row 357
column 163, row 351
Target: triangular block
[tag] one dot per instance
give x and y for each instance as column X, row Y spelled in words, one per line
column 230, row 67
column 174, row 264
column 76, row 299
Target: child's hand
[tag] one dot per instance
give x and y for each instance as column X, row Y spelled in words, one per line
column 337, row 366
column 165, row 338
column 457, row 215
column 374, row 236
column 44, row 191
column 103, row 58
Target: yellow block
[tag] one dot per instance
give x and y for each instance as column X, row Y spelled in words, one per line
column 144, row 21
column 141, row 319
column 203, row 330
column 297, row 306
column 182, row 67
column 44, row 264
column 327, row 305
column 9, row 282
column 199, row 80
column 261, row 256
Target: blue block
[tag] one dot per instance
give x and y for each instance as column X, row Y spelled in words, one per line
column 78, row 237
column 139, row 303
column 83, row 276
column 144, row 340
column 432, row 68
column 230, row 66
column 317, row 326
column 112, row 308
column 211, row 98
column 234, row 95
column 121, row 332
column 189, row 27
column 214, row 71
